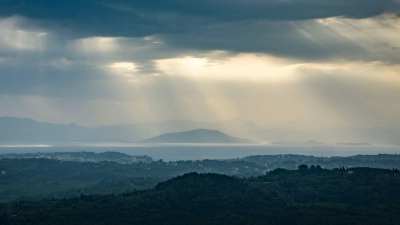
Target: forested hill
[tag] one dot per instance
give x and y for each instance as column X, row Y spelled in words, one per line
column 36, row 178
column 384, row 161
column 306, row 196
column 23, row 178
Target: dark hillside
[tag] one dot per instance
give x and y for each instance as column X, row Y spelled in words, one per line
column 304, row 197
column 37, row 178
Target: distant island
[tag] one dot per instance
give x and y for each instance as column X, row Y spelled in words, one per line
column 309, row 142
column 197, row 136
column 352, row 143
column 314, row 142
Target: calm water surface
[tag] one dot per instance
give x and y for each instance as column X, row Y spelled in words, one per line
column 174, row 152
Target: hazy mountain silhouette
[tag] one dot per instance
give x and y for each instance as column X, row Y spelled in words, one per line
column 196, row 136
column 16, row 130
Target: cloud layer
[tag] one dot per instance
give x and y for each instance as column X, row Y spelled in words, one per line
column 332, row 63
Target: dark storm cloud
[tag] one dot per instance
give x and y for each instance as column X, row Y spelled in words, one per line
column 268, row 26
column 47, row 80
column 233, row 10
column 280, row 38
column 143, row 18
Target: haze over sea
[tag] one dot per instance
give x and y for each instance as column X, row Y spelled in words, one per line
column 175, row 152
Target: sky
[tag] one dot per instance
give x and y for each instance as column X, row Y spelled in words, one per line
column 325, row 63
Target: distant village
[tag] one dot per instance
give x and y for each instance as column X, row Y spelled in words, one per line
column 82, row 157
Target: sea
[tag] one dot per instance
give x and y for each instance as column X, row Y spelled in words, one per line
column 177, row 152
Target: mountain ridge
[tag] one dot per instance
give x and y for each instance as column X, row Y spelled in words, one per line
column 15, row 130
